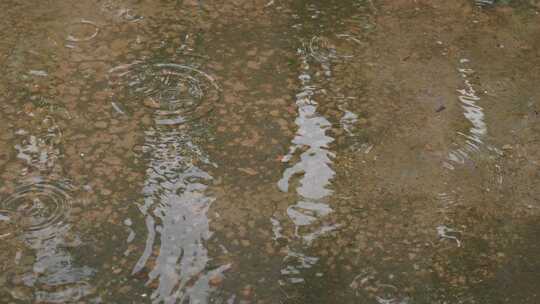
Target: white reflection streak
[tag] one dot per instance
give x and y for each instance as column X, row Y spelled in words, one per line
column 54, row 268
column 475, row 115
column 176, row 209
column 315, row 169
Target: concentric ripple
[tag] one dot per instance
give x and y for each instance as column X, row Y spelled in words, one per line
column 177, row 92
column 81, row 31
column 38, row 206
column 325, row 51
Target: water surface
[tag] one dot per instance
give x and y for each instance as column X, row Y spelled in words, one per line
column 364, row 151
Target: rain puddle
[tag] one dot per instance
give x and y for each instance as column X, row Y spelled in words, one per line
column 351, row 151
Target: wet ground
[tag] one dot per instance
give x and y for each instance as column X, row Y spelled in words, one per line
column 255, row 151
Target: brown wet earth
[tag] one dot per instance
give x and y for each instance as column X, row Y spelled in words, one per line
column 199, row 151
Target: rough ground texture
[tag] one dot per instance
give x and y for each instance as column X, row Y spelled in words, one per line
column 340, row 151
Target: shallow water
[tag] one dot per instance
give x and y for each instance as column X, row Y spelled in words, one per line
column 352, row 151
